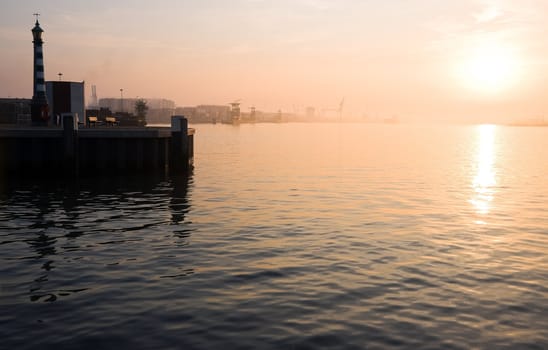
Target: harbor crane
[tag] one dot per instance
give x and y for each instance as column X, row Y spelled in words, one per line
column 339, row 110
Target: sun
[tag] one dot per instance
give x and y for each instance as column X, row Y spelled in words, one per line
column 490, row 68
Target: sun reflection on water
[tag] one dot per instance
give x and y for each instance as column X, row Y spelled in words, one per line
column 485, row 178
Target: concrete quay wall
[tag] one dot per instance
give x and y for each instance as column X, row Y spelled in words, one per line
column 44, row 151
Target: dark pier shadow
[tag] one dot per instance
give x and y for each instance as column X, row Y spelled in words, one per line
column 51, row 215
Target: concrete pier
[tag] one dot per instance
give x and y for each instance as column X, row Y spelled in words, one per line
column 70, row 150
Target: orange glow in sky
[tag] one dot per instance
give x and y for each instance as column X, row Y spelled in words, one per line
column 463, row 61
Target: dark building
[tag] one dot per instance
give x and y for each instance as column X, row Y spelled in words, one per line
column 128, row 104
column 14, row 110
column 66, row 97
column 204, row 113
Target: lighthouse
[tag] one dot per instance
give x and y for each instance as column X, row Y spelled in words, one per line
column 39, row 105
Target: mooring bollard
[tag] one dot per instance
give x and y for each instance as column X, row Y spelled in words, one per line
column 178, row 157
column 70, row 141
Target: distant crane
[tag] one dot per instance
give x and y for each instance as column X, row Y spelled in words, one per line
column 338, row 110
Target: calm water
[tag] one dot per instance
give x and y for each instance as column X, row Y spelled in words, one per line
column 290, row 236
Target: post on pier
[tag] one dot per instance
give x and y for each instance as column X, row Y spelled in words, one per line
column 179, row 158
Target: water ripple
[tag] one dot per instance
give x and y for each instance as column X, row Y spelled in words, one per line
column 376, row 241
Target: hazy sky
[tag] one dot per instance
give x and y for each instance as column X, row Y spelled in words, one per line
column 419, row 59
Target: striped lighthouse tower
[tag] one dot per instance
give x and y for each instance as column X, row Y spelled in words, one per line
column 39, row 104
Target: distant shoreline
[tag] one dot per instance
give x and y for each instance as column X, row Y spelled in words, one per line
column 527, row 124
